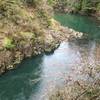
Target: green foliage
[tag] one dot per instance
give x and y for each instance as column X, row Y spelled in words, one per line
column 86, row 5
column 98, row 6
column 33, row 3
column 11, row 9
column 8, row 5
column 8, row 43
column 50, row 2
column 27, row 35
column 77, row 6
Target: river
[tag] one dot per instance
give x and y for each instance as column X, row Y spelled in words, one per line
column 37, row 76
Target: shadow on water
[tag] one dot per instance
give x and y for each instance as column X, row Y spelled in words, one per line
column 17, row 83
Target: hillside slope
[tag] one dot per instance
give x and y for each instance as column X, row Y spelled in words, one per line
column 27, row 28
column 86, row 7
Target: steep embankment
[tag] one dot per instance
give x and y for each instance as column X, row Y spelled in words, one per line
column 26, row 29
column 84, row 7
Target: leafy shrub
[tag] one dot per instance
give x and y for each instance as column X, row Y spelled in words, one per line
column 86, row 6
column 8, row 43
column 98, row 6
column 27, row 35
column 7, row 6
column 33, row 3
column 77, row 6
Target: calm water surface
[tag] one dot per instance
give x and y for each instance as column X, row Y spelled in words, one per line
column 39, row 75
column 79, row 23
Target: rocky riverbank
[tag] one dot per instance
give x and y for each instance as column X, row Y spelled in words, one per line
column 80, row 84
column 83, row 7
column 25, row 47
column 28, row 29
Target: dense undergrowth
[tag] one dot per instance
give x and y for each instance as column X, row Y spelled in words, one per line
column 87, row 7
column 24, row 28
column 17, row 16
